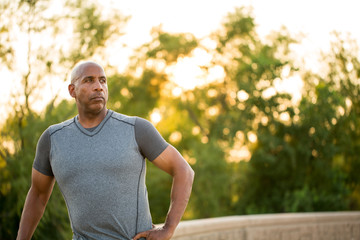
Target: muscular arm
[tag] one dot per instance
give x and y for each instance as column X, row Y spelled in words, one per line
column 171, row 161
column 35, row 203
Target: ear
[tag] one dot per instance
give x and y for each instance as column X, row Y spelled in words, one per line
column 71, row 89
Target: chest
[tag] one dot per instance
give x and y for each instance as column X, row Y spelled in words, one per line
column 112, row 152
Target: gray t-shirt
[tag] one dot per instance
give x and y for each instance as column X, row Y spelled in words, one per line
column 101, row 173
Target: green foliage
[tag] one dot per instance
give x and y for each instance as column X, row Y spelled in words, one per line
column 254, row 149
column 159, row 188
column 130, row 96
column 169, row 47
column 24, row 133
column 27, row 22
column 210, row 197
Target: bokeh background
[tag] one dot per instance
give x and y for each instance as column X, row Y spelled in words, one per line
column 260, row 97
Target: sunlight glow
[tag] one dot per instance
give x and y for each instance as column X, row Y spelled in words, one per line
column 177, row 91
column 175, row 137
column 212, row 111
column 155, row 116
column 284, row 117
column 242, row 96
column 185, row 73
column 195, row 130
column 292, row 85
column 268, row 93
column 269, row 16
column 204, row 139
column 9, row 146
column 239, row 154
column 193, row 71
column 252, row 137
column 340, row 110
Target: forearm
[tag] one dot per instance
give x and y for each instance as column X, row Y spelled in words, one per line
column 174, row 164
column 33, row 210
column 180, row 194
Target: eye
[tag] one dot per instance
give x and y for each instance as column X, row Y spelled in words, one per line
column 103, row 80
column 88, row 80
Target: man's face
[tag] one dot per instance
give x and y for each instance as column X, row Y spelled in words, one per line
column 90, row 90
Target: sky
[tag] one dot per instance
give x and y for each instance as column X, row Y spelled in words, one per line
column 315, row 18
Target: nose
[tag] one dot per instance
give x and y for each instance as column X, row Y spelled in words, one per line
column 97, row 86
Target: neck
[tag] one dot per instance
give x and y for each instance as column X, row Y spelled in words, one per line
column 90, row 119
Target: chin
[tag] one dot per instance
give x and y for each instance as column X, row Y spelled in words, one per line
column 97, row 109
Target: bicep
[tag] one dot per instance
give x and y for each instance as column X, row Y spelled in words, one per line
column 171, row 161
column 41, row 184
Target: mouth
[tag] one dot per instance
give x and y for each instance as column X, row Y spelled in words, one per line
column 97, row 98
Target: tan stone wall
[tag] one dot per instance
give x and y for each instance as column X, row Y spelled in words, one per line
column 287, row 226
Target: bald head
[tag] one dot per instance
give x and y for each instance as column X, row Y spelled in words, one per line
column 78, row 70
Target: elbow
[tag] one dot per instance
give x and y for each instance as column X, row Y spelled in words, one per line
column 191, row 174
column 186, row 173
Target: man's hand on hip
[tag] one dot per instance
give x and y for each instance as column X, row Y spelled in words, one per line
column 156, row 233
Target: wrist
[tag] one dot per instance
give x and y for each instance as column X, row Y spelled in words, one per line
column 168, row 231
column 170, row 227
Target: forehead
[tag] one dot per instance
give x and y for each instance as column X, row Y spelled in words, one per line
column 92, row 70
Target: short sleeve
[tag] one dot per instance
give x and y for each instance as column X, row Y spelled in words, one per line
column 42, row 156
column 149, row 140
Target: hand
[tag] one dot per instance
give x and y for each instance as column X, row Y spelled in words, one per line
column 156, row 233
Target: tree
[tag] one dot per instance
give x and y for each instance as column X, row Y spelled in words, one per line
column 243, row 117
column 237, row 108
column 291, row 167
column 253, row 148
column 146, row 89
column 343, row 77
column 45, row 35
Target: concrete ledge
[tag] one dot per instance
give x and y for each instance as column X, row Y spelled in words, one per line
column 286, row 226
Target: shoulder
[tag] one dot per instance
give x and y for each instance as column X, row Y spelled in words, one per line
column 141, row 123
column 149, row 140
column 123, row 118
column 57, row 127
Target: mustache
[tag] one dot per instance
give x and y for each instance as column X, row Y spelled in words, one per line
column 97, row 96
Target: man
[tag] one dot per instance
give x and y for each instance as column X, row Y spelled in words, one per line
column 98, row 160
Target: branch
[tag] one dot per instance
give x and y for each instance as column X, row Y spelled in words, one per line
column 195, row 120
